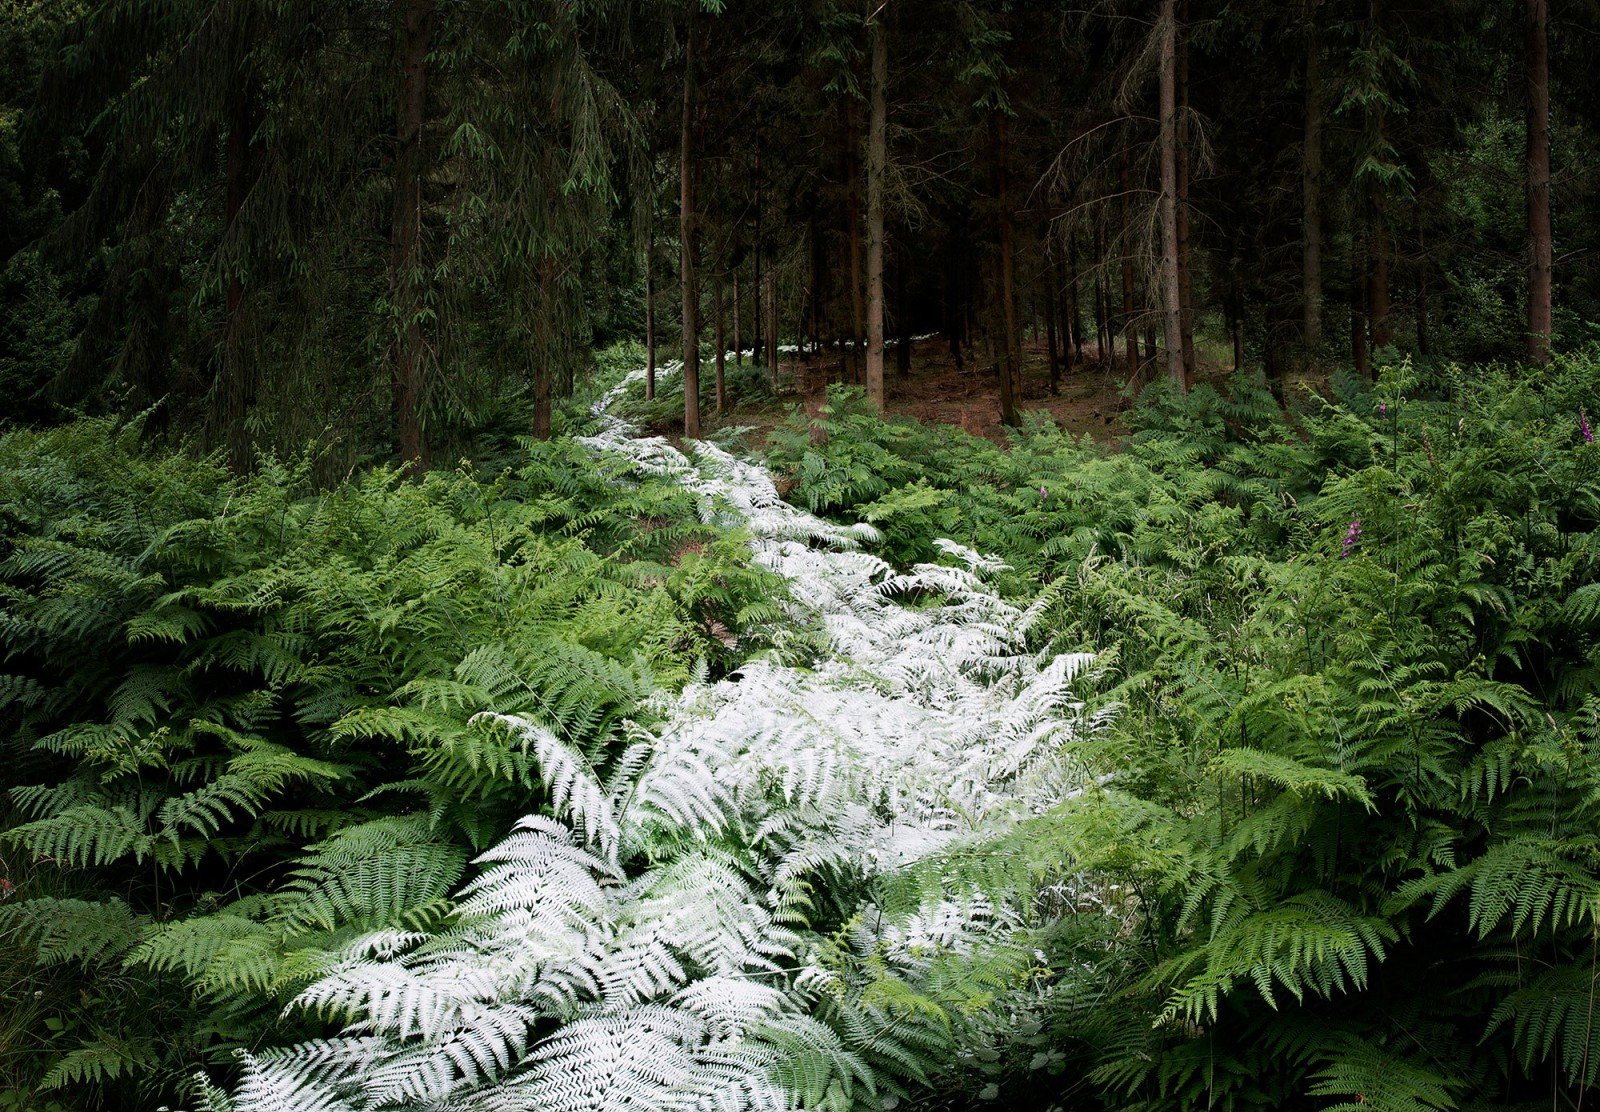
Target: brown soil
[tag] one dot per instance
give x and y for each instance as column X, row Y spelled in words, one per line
column 1089, row 401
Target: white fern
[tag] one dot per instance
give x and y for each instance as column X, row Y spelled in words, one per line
column 649, row 948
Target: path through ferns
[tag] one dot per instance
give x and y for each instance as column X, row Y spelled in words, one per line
column 768, row 902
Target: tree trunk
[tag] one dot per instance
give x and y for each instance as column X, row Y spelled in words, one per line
column 877, row 161
column 902, row 353
column 1540, row 248
column 1011, row 362
column 855, row 363
column 720, row 308
column 1052, row 333
column 771, row 298
column 758, row 287
column 738, row 345
column 543, row 348
column 1171, row 291
column 686, row 236
column 410, row 347
column 1311, row 186
column 238, row 371
column 1185, row 279
column 1423, row 344
column 1129, row 326
column 1074, row 317
column 1358, row 308
column 650, row 304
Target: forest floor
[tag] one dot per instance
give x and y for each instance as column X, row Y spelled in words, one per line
column 1090, row 400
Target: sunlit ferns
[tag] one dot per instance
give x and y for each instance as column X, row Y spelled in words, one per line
column 663, row 942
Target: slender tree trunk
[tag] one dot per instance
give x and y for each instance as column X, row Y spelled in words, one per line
column 1311, row 186
column 738, row 345
column 544, row 348
column 686, row 235
column 1074, row 316
column 1358, row 308
column 1424, row 345
column 650, row 306
column 1185, row 279
column 757, row 287
column 1540, row 248
column 902, row 353
column 856, row 363
column 1011, row 363
column 410, row 346
column 238, row 370
column 1050, row 330
column 722, row 346
column 877, row 162
column 1171, row 290
column 771, row 299
column 1129, row 324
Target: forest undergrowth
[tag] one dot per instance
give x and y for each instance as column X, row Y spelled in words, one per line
column 601, row 773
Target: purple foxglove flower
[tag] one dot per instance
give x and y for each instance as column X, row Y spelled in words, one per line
column 1583, row 427
column 1351, row 536
column 1043, row 494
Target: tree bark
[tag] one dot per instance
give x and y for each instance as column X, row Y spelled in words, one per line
column 238, row 371
column 1129, row 326
column 1540, row 247
column 856, row 362
column 902, row 353
column 877, row 161
column 543, row 348
column 771, row 298
column 758, row 287
column 650, row 304
column 410, row 346
column 1185, row 278
column 1171, row 291
column 1051, row 332
column 721, row 356
column 1311, row 186
column 686, row 236
column 1358, row 309
column 1011, row 362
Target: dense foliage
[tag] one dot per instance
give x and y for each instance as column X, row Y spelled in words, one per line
column 1351, row 815
column 239, row 715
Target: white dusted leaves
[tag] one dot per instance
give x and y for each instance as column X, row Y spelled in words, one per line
column 651, row 946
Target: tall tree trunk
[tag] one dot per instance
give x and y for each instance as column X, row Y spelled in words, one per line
column 1129, row 325
column 1359, row 352
column 1423, row 344
column 858, row 310
column 1540, row 248
column 410, row 346
column 1185, row 277
column 902, row 351
column 1050, row 331
column 757, row 286
column 650, row 304
column 238, row 370
column 1171, row 291
column 738, row 343
column 771, row 298
column 1011, row 363
column 721, row 337
column 1311, row 186
column 1074, row 316
column 544, row 348
column 877, row 162
column 686, row 236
